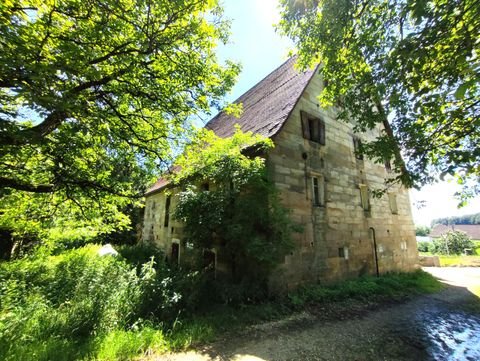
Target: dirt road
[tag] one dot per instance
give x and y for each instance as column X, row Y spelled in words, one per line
column 432, row 327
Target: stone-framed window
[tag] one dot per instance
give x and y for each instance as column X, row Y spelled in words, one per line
column 318, row 191
column 388, row 166
column 313, row 128
column 343, row 252
column 392, row 200
column 364, row 197
column 357, row 145
column 166, row 220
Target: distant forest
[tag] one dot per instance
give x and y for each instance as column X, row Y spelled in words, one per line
column 468, row 219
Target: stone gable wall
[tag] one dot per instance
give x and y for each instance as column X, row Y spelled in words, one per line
column 341, row 221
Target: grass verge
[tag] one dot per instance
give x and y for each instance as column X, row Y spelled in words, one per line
column 459, row 261
column 78, row 306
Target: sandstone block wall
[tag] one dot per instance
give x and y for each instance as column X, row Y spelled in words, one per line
column 338, row 238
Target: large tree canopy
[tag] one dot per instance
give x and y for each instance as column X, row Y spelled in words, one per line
column 94, row 94
column 412, row 65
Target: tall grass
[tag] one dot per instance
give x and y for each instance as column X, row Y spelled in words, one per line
column 69, row 306
column 76, row 305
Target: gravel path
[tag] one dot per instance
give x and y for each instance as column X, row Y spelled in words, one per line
column 432, row 327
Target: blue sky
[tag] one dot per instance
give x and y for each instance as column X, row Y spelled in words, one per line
column 255, row 44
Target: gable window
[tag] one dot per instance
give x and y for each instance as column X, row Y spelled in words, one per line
column 357, row 145
column 364, row 197
column 388, row 166
column 313, row 128
column 167, row 211
column 318, row 191
column 392, row 199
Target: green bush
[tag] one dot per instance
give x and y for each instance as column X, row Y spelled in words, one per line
column 454, row 242
column 366, row 288
column 423, row 246
column 48, row 300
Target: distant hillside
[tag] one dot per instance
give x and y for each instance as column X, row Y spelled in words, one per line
column 468, row 219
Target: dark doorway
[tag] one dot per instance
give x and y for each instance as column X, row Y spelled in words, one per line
column 209, row 259
column 175, row 253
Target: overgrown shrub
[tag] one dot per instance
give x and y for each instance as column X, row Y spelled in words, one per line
column 423, row 246
column 454, row 242
column 77, row 295
column 242, row 209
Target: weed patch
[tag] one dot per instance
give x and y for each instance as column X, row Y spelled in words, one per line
column 77, row 305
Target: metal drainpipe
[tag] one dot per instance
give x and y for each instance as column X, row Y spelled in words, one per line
column 375, row 250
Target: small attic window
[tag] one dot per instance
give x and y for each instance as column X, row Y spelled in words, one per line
column 388, row 166
column 167, row 211
column 313, row 128
column 357, row 145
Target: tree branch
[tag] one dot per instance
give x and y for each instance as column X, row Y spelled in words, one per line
column 22, row 186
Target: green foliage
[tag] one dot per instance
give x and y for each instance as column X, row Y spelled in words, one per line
column 241, row 210
column 424, row 246
column 411, row 66
column 47, row 301
column 422, row 231
column 467, row 219
column 93, row 97
column 125, row 345
column 453, row 242
column 78, row 306
column 389, row 286
column 459, row 261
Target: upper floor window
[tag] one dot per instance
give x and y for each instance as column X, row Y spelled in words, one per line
column 392, row 199
column 318, row 191
column 388, row 165
column 313, row 128
column 167, row 211
column 364, row 197
column 357, row 146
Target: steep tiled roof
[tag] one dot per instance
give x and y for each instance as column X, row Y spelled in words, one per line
column 266, row 106
column 472, row 230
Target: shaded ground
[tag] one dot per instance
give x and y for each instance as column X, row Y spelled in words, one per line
column 442, row 326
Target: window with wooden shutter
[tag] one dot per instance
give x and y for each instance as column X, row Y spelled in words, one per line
column 313, row 128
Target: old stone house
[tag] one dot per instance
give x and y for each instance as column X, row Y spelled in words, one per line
column 324, row 182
